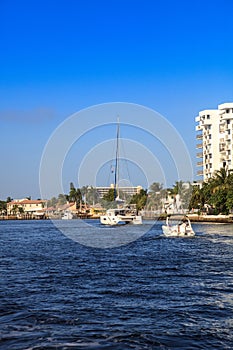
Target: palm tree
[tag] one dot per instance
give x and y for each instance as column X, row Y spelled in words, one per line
column 220, row 180
column 156, row 187
column 75, row 195
column 197, row 200
column 92, row 195
column 176, row 188
column 219, row 185
column 155, row 196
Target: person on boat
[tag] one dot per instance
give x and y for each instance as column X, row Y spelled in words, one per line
column 183, row 227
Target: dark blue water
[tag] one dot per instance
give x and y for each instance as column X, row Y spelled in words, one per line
column 153, row 293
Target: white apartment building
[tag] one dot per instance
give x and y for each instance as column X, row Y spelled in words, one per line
column 215, row 140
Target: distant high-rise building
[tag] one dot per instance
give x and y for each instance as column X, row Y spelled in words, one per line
column 215, row 140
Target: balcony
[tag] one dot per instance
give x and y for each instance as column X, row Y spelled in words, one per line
column 226, row 116
column 199, row 163
column 222, row 158
column 199, row 155
column 199, row 137
column 207, row 142
column 200, row 173
column 199, row 145
column 222, row 148
column 198, row 127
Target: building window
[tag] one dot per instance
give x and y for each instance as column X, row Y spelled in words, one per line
column 227, row 111
column 208, row 116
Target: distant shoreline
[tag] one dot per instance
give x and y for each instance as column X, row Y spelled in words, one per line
column 225, row 219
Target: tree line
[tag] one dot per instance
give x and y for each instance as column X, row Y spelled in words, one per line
column 214, row 196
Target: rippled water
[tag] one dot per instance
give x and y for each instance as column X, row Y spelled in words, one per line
column 153, row 293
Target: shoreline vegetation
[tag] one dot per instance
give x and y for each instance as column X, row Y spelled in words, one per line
column 209, row 201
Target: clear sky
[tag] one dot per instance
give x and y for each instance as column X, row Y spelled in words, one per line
column 58, row 57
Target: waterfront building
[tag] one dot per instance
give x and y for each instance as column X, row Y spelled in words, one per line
column 215, row 140
column 127, row 190
column 28, row 207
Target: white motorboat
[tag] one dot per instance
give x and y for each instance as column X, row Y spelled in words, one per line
column 182, row 229
column 123, row 214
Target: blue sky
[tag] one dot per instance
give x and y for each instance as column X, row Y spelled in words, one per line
column 58, row 57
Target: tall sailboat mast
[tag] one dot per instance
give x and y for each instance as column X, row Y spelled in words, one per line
column 116, row 179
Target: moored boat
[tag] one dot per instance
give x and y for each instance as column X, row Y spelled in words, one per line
column 117, row 216
column 123, row 214
column 67, row 215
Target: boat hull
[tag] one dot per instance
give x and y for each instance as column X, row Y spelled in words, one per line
column 172, row 231
column 118, row 220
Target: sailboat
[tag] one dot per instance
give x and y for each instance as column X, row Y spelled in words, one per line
column 123, row 214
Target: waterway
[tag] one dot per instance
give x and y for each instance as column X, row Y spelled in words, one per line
column 155, row 292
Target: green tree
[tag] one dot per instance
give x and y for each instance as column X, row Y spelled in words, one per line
column 177, row 188
column 52, row 202
column 75, row 195
column 92, row 195
column 108, row 200
column 197, row 199
column 155, row 197
column 21, row 210
column 62, row 199
column 15, row 209
column 155, row 187
column 229, row 199
column 3, row 207
column 220, row 184
column 139, row 199
column 109, row 196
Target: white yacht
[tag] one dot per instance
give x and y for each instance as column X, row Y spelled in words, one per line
column 125, row 215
